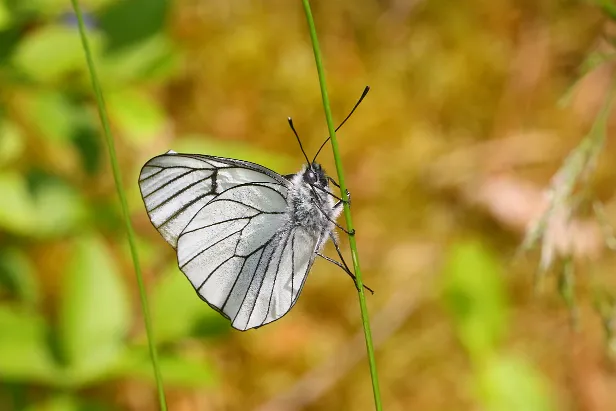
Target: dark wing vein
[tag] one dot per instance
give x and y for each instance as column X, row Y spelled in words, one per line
column 214, row 270
column 235, row 163
column 169, row 182
column 237, row 277
column 182, row 166
column 201, row 158
column 181, row 210
column 269, row 304
column 245, row 205
column 292, row 265
column 240, row 271
column 306, row 272
column 217, row 199
column 217, row 223
column 177, row 193
column 254, row 274
column 141, row 180
column 269, row 260
column 256, row 184
column 207, row 248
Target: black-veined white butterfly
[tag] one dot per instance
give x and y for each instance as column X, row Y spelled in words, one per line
column 246, row 237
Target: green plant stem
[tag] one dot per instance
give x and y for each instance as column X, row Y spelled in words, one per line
column 102, row 112
column 347, row 211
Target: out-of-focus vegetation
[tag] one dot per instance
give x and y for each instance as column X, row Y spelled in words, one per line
column 474, row 107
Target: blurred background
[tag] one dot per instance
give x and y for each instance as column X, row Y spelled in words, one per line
column 454, row 154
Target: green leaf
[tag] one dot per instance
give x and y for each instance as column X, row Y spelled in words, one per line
column 11, row 142
column 176, row 370
column 87, row 140
column 57, row 403
column 94, row 311
column 50, row 208
column 138, row 116
column 128, row 22
column 510, row 384
column 60, row 209
column 18, row 213
column 24, row 353
column 474, row 294
column 51, row 9
column 69, row 401
column 5, row 16
column 51, row 114
column 53, row 52
column 9, row 40
column 176, row 307
column 17, row 272
column 152, row 59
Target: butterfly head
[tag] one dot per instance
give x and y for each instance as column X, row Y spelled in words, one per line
column 315, row 175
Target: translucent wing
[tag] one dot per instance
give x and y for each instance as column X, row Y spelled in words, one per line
column 176, row 186
column 243, row 257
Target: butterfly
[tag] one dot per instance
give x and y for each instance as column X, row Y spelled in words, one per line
column 246, row 237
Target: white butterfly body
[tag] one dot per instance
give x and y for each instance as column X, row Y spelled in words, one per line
column 246, row 237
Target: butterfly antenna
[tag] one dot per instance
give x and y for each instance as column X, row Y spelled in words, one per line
column 366, row 90
column 290, row 120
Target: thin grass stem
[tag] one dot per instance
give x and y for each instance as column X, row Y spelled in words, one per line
column 121, row 194
column 347, row 211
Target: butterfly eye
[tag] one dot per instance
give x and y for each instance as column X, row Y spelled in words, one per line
column 310, row 177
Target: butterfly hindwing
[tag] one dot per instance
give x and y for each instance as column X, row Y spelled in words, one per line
column 243, row 258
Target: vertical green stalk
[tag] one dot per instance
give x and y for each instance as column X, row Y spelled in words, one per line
column 347, row 211
column 102, row 112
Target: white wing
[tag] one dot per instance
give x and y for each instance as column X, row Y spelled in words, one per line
column 176, row 186
column 226, row 218
column 243, row 258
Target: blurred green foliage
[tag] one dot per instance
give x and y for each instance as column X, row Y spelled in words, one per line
column 220, row 77
column 474, row 293
column 83, row 332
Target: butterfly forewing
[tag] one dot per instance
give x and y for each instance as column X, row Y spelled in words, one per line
column 176, row 186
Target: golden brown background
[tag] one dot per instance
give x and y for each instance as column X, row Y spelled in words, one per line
column 474, row 107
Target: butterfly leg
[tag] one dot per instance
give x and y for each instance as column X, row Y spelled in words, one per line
column 351, row 233
column 348, row 271
column 327, row 192
column 341, row 201
column 334, row 182
column 345, row 269
column 347, row 232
